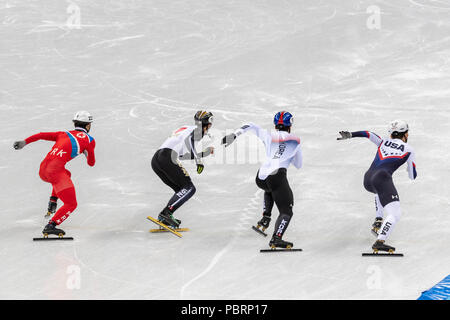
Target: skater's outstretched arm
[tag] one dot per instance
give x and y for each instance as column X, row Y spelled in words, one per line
column 189, row 156
column 257, row 130
column 361, row 134
column 49, row 136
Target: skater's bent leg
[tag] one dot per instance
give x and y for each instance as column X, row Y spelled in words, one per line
column 282, row 224
column 378, row 207
column 268, row 198
column 268, row 204
column 159, row 170
column 284, row 199
column 284, row 202
column 181, row 197
column 393, row 214
column 68, row 197
column 262, row 184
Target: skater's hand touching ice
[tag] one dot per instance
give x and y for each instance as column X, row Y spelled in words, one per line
column 344, row 135
column 19, row 144
column 228, row 139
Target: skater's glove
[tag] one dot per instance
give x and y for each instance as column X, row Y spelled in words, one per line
column 345, row 135
column 19, row 145
column 85, row 153
column 200, row 168
column 228, row 139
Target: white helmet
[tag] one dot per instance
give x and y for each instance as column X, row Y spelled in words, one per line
column 83, row 116
column 399, row 126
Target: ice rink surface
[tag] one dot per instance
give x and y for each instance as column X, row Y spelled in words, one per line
column 142, row 68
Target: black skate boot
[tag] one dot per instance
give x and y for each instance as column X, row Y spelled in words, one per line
column 376, row 226
column 264, row 222
column 167, row 218
column 379, row 245
column 52, row 205
column 50, row 228
column 277, row 242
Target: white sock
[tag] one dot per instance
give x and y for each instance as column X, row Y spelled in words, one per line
column 394, row 213
column 378, row 207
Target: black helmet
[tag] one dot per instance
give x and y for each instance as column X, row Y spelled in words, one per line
column 203, row 117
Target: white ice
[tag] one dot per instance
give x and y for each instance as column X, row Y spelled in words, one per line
column 142, row 68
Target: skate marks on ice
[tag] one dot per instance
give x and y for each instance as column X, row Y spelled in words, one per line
column 116, row 41
column 432, row 4
column 145, row 286
column 247, row 215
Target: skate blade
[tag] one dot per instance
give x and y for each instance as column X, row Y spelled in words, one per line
column 375, row 232
column 162, row 225
column 47, row 238
column 259, row 231
column 272, row 246
column 164, row 230
column 384, row 254
column 280, row 249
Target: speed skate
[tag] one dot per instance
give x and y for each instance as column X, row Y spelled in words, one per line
column 260, row 231
column 161, row 229
column 165, row 227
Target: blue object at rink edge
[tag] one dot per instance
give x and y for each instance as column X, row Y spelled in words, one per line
column 441, row 291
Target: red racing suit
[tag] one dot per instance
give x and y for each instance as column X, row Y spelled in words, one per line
column 68, row 145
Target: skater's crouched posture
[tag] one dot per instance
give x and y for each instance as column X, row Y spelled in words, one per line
column 68, row 145
column 282, row 149
column 166, row 164
column 391, row 154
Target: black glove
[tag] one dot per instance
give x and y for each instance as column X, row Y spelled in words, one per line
column 200, row 168
column 19, row 145
column 345, row 135
column 228, row 139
